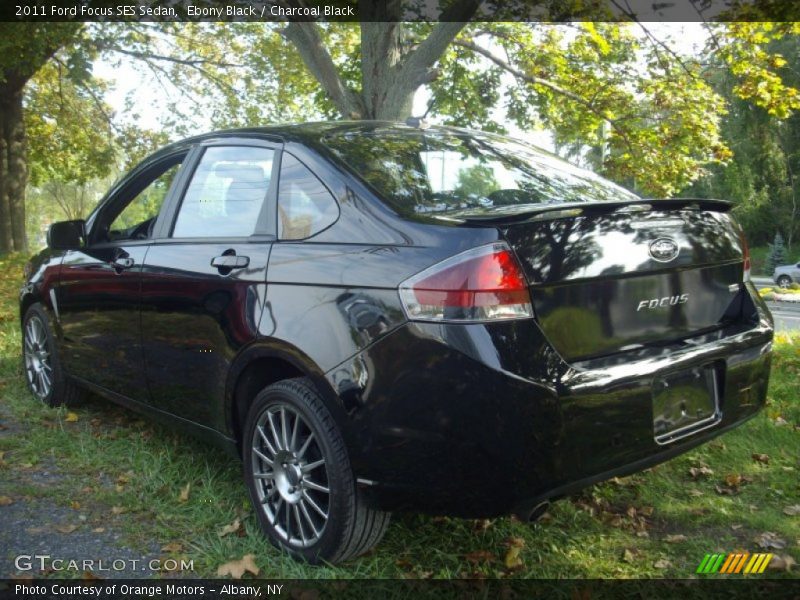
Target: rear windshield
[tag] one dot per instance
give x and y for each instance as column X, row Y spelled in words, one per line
column 430, row 172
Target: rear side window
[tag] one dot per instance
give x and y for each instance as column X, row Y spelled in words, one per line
column 227, row 192
column 305, row 206
column 420, row 172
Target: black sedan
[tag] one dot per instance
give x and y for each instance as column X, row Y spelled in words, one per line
column 381, row 317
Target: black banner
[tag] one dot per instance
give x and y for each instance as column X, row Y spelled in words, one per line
column 409, row 10
column 122, row 589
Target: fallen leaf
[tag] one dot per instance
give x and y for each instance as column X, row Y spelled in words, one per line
column 780, row 421
column 762, row 458
column 737, row 527
column 792, row 510
column 512, row 559
column 515, row 546
column 733, row 480
column 662, row 564
column 675, row 539
column 768, row 539
column 698, row 472
column 726, row 491
column 646, row 511
column 75, row 505
column 628, row 556
column 118, row 510
column 695, row 492
column 71, row 417
column 98, row 530
column 783, row 562
column 479, row 556
column 66, row 528
column 5, row 501
column 34, row 530
column 483, row 524
column 237, row 568
column 184, row 496
column 172, row 547
column 232, row 528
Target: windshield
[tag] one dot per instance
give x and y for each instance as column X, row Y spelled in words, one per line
column 427, row 172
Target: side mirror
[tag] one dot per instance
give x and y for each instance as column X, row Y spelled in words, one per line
column 66, row 235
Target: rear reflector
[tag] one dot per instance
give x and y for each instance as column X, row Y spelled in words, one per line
column 482, row 284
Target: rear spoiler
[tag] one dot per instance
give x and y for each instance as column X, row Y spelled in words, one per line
column 574, row 209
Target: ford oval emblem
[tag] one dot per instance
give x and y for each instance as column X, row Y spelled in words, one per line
column 664, row 250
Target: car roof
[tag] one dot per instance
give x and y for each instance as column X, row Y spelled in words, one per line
column 311, row 133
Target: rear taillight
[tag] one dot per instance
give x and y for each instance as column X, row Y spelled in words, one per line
column 482, row 284
column 745, row 256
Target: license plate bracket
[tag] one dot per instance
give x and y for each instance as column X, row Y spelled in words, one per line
column 685, row 402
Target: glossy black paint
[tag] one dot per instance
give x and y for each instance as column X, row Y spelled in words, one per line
column 468, row 419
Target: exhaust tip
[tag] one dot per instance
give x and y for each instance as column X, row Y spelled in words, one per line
column 536, row 512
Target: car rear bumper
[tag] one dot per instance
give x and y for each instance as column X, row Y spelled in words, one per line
column 477, row 421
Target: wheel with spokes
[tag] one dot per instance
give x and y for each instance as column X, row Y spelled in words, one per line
column 784, row 281
column 40, row 361
column 300, row 480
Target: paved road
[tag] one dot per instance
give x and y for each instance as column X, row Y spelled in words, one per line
column 787, row 316
column 786, row 319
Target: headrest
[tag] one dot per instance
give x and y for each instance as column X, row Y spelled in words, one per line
column 239, row 172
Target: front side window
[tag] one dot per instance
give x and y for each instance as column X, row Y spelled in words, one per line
column 136, row 220
column 226, row 194
column 305, row 206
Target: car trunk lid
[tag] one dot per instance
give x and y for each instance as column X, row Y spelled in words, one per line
column 607, row 277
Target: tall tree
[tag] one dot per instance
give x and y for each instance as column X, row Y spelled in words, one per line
column 24, row 49
column 762, row 127
column 615, row 86
column 46, row 72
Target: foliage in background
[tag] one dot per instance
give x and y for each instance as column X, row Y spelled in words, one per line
column 777, row 254
column 762, row 130
column 24, row 49
column 614, row 95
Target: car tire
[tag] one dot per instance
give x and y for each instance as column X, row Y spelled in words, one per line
column 41, row 363
column 784, row 281
column 300, row 480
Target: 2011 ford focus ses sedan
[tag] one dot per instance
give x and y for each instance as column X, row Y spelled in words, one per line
column 383, row 317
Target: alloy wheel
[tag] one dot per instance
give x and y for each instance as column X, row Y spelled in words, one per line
column 290, row 476
column 38, row 366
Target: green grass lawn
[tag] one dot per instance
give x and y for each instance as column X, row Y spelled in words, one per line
column 153, row 485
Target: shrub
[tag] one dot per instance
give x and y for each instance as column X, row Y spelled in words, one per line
column 776, row 255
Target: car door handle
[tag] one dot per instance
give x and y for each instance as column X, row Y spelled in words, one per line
column 230, row 261
column 123, row 262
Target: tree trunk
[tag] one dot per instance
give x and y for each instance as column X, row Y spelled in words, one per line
column 13, row 171
column 391, row 71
